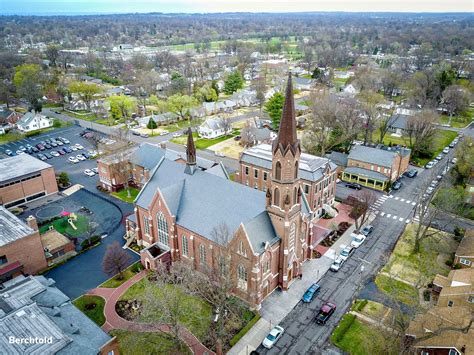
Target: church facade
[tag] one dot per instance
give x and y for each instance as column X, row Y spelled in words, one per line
column 184, row 213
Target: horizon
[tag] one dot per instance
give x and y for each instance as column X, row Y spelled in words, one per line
column 176, row 7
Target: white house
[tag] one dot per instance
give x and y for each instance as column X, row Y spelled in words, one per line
column 213, row 128
column 32, row 122
column 212, row 108
column 351, row 89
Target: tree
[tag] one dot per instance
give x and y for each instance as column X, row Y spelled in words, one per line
column 181, row 104
column 85, row 91
column 28, row 82
column 247, row 134
column 384, row 124
column 421, row 128
column 115, row 261
column 63, row 179
column 361, row 203
column 456, row 99
column 260, row 89
column 274, row 108
column 206, row 93
column 52, row 53
column 370, row 106
column 465, row 156
column 233, row 82
column 151, row 125
column 122, row 106
column 226, row 125
column 178, row 84
column 307, row 59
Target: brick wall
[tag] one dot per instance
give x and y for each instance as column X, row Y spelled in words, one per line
column 28, row 251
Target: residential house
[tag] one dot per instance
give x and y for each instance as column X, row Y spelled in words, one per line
column 351, row 89
column 214, row 127
column 398, row 124
column 8, row 117
column 212, row 108
column 161, row 119
column 33, row 121
column 244, row 98
column 464, row 255
column 33, row 308
column 303, row 84
column 457, row 289
column 375, row 168
column 442, row 331
column 21, row 251
column 268, row 231
column 340, row 159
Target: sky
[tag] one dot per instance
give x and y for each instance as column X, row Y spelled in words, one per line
column 42, row 7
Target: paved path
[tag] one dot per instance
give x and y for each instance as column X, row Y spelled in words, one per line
column 114, row 321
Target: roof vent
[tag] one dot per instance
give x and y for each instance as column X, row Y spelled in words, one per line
column 20, row 313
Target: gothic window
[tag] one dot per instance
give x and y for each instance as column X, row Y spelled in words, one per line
column 242, row 250
column 146, row 223
column 296, row 169
column 278, row 171
column 202, row 254
column 266, row 266
column 184, row 249
column 295, row 195
column 291, row 237
column 162, row 229
column 223, row 266
column 276, row 197
column 242, row 277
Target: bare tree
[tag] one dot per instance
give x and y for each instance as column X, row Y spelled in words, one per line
column 384, row 124
column 456, row 99
column 371, row 110
column 226, row 124
column 247, row 134
column 421, row 128
column 115, row 261
column 361, row 203
column 121, row 169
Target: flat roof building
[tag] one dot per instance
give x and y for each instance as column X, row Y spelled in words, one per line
column 24, row 178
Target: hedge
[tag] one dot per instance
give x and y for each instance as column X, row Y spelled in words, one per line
column 342, row 328
column 244, row 330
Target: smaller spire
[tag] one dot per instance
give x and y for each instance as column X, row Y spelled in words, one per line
column 190, row 154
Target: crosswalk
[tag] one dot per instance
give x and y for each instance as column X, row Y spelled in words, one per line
column 375, row 208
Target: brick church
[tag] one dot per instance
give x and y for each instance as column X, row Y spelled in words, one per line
column 181, row 205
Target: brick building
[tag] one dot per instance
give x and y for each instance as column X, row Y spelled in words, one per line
column 318, row 175
column 457, row 289
column 21, row 250
column 375, row 168
column 182, row 212
column 464, row 255
column 24, row 178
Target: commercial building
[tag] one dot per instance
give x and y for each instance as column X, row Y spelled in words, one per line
column 24, row 178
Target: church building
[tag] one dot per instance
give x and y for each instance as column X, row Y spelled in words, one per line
column 181, row 209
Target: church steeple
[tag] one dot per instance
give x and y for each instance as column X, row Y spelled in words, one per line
column 287, row 132
column 190, row 154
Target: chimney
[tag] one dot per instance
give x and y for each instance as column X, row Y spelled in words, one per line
column 32, row 223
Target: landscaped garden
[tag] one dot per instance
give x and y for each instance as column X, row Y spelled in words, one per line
column 123, row 194
column 129, row 272
column 459, row 121
column 93, row 307
column 134, row 343
column 61, row 224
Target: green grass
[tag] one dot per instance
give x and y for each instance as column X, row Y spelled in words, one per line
column 123, row 194
column 113, row 282
column 203, row 143
column 461, row 120
column 244, row 330
column 65, row 228
column 10, row 137
column 400, row 291
column 83, row 116
column 441, row 139
column 198, row 315
column 97, row 313
column 134, row 343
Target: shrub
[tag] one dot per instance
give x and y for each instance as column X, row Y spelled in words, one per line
column 427, row 295
column 457, row 266
column 459, row 231
column 90, row 306
column 244, row 330
column 90, row 241
column 343, row 327
column 137, row 267
column 450, row 260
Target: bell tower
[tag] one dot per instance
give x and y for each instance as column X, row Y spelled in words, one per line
column 284, row 194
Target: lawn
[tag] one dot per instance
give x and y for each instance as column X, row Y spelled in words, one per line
column 93, row 307
column 63, row 227
column 131, row 271
column 82, row 115
column 229, row 147
column 123, row 194
column 199, row 312
column 10, row 137
column 398, row 290
column 459, row 121
column 134, row 343
column 203, row 143
column 357, row 338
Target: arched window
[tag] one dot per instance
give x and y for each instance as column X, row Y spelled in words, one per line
column 276, row 197
column 296, row 169
column 278, row 171
column 242, row 277
column 295, row 195
column 202, row 254
column 162, row 229
column 184, row 248
column 242, row 250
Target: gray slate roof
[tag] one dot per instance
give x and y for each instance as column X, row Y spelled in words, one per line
column 258, row 229
column 12, row 228
column 367, row 173
column 338, row 157
column 372, row 155
column 311, row 167
column 398, row 120
column 147, row 155
column 32, row 306
column 20, row 165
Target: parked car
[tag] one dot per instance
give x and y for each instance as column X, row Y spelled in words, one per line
column 353, row 185
column 95, row 170
column 48, row 155
column 367, row 230
column 58, row 142
column 177, row 134
column 337, row 264
column 429, row 165
column 55, row 154
column 446, row 150
column 346, row 252
column 89, row 172
column 273, row 337
column 47, row 146
column 144, row 135
column 8, row 152
column 18, row 152
column 73, row 160
column 237, row 138
column 40, row 146
column 65, row 141
column 61, row 152
column 53, row 144
column 164, row 133
column 135, row 133
column 311, row 292
column 454, row 160
column 34, row 149
column 78, row 146
column 397, row 185
column 80, row 157
column 453, row 144
column 41, row 157
column 429, row 190
column 439, row 157
column 67, row 150
column 357, row 240
column 434, row 183
column 86, row 155
column 73, row 148
column 325, row 313
column 412, row 173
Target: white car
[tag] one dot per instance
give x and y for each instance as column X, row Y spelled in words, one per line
column 336, row 265
column 19, row 152
column 164, row 133
column 73, row 160
column 73, row 148
column 273, row 337
column 176, row 135
column 357, row 240
column 446, row 150
column 92, row 153
column 430, row 190
column 439, row 157
column 454, row 160
column 54, row 154
column 89, row 172
column 95, row 170
column 346, row 252
column 78, row 146
column 429, row 165
column 80, row 157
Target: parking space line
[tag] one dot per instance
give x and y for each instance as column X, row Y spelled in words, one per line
column 407, row 221
column 396, row 198
column 395, row 217
column 382, row 214
column 413, row 203
column 401, row 219
column 389, row 215
column 390, row 196
column 402, row 200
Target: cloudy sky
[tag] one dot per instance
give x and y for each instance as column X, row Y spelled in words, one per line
column 121, row 6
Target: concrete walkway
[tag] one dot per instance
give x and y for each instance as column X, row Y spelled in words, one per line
column 114, row 321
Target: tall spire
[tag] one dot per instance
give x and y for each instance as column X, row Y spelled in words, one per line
column 287, row 131
column 190, row 154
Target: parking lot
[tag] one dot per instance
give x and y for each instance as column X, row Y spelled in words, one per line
column 61, row 163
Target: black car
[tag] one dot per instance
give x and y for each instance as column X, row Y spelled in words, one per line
column 325, row 313
column 41, row 157
column 135, row 133
column 412, row 173
column 67, row 150
column 397, row 185
column 35, row 150
column 353, row 185
column 47, row 155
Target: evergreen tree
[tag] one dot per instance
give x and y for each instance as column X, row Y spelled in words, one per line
column 233, row 82
column 274, row 107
